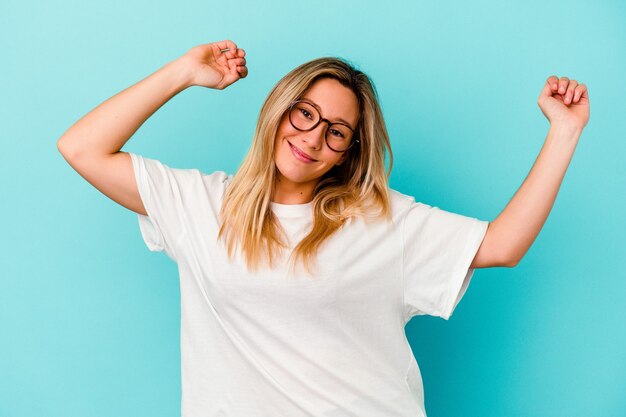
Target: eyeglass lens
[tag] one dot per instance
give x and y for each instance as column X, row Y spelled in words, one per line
column 304, row 116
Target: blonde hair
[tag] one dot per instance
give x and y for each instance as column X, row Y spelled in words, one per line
column 357, row 187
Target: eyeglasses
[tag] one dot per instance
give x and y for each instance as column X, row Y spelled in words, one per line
column 304, row 116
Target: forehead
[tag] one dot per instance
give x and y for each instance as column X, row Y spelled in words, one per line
column 336, row 102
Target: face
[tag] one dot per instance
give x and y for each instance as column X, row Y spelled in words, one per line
column 295, row 174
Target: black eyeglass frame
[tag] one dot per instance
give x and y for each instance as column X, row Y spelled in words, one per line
column 321, row 119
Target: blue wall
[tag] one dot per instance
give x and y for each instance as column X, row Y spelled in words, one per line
column 89, row 318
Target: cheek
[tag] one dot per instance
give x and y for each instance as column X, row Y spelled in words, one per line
column 332, row 157
column 285, row 130
column 278, row 154
column 281, row 151
column 278, row 140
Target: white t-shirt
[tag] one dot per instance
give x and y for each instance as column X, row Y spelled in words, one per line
column 265, row 345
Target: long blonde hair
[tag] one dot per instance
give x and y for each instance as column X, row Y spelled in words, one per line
column 357, row 187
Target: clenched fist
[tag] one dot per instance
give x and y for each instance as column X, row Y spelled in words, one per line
column 211, row 65
column 565, row 101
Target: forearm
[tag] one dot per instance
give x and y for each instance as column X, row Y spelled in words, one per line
column 108, row 127
column 521, row 220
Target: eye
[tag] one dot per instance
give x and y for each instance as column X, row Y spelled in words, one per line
column 337, row 133
column 305, row 112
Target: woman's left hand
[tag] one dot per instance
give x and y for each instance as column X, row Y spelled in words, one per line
column 565, row 102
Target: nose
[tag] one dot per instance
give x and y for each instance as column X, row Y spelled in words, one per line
column 315, row 138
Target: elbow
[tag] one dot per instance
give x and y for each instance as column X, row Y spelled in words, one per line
column 511, row 262
column 65, row 149
column 511, row 265
column 62, row 146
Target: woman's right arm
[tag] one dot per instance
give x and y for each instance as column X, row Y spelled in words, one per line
column 92, row 145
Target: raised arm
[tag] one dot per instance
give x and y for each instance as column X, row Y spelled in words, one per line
column 92, row 145
column 566, row 105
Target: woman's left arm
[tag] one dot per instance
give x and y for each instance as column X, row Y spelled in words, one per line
column 565, row 103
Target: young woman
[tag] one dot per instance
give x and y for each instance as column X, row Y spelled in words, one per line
column 299, row 272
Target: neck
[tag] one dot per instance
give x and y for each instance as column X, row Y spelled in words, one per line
column 293, row 193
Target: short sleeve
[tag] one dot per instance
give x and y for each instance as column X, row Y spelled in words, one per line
column 163, row 190
column 438, row 248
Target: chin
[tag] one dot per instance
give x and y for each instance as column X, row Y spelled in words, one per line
column 292, row 176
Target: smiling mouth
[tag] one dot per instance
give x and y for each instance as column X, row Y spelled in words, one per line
column 299, row 152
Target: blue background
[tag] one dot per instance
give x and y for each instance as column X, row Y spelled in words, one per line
column 89, row 318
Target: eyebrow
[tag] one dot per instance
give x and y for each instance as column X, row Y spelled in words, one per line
column 320, row 110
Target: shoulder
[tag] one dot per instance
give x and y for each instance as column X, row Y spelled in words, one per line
column 406, row 209
column 399, row 199
column 182, row 179
column 216, row 178
column 401, row 203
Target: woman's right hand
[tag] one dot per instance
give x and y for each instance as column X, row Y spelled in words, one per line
column 211, row 68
